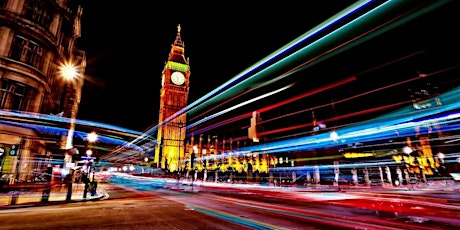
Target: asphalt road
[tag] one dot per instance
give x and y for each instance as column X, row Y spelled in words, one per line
column 234, row 207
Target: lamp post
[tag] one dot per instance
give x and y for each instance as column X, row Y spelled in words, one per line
column 179, row 171
column 70, row 72
column 192, row 163
column 91, row 138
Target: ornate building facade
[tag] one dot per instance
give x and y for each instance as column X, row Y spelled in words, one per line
column 173, row 152
column 37, row 46
column 175, row 79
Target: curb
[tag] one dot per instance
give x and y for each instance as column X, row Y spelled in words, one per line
column 101, row 195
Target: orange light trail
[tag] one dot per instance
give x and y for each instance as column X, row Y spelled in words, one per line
column 309, row 93
column 350, row 115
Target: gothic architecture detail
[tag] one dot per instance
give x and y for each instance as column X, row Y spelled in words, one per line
column 37, row 38
column 169, row 153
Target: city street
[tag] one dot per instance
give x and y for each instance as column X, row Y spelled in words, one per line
column 239, row 206
column 336, row 115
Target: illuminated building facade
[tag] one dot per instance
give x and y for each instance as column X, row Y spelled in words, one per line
column 172, row 153
column 221, row 155
column 37, row 38
column 175, row 79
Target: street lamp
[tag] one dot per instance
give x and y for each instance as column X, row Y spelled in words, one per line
column 70, row 72
column 92, row 138
column 407, row 150
column 181, row 125
column 89, row 152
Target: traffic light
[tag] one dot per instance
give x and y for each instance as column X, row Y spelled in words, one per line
column 14, row 150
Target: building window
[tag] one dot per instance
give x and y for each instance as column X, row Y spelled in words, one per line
column 38, row 12
column 15, row 95
column 27, row 51
column 65, row 37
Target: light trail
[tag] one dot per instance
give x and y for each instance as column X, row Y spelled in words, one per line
column 48, row 124
column 239, row 105
column 343, row 44
column 260, row 75
column 341, row 15
column 315, row 91
column 221, row 123
column 223, row 93
column 246, row 115
column 277, row 105
column 198, row 103
column 230, row 91
column 77, row 134
column 348, row 46
column 375, row 129
column 363, row 94
column 41, row 118
column 389, row 127
column 360, row 134
column 350, row 115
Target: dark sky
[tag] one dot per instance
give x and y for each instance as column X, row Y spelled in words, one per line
column 127, row 45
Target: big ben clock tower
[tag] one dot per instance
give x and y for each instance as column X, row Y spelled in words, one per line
column 169, row 153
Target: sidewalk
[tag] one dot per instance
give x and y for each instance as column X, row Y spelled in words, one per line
column 58, row 195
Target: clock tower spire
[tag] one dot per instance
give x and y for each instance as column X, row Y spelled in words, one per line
column 169, row 153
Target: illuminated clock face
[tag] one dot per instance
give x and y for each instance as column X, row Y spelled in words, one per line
column 178, row 78
column 163, row 80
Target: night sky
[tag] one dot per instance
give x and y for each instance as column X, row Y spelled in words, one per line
column 127, row 45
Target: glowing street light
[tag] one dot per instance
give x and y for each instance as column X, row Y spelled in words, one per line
column 441, row 157
column 69, row 71
column 92, row 137
column 407, row 150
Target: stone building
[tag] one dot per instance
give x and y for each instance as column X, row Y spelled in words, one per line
column 41, row 73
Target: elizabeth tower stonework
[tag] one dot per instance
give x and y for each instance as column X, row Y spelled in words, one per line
column 169, row 153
